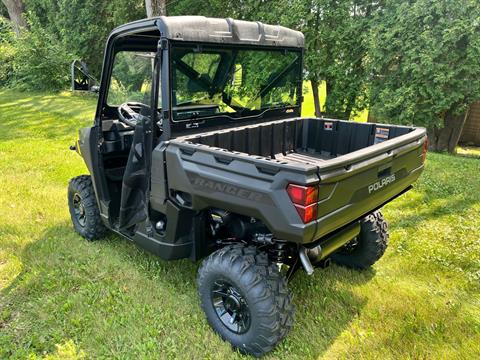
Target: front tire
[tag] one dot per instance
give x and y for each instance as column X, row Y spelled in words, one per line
column 245, row 298
column 368, row 247
column 83, row 208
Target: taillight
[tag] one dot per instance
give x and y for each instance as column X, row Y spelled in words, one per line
column 307, row 213
column 305, row 199
column 425, row 149
column 302, row 195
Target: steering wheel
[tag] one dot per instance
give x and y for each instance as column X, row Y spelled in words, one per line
column 129, row 113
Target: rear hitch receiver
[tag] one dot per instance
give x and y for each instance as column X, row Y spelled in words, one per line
column 307, row 265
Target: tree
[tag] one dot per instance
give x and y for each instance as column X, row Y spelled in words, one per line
column 3, row 12
column 155, row 8
column 15, row 9
column 336, row 34
column 82, row 27
column 425, row 63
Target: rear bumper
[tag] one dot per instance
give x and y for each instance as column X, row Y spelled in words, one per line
column 352, row 211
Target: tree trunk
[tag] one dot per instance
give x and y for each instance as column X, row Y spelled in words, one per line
column 370, row 117
column 328, row 106
column 15, row 10
column 156, row 8
column 446, row 138
column 316, row 98
column 350, row 105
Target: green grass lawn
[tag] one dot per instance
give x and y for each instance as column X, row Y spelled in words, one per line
column 62, row 297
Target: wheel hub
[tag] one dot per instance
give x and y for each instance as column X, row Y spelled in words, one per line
column 79, row 209
column 231, row 307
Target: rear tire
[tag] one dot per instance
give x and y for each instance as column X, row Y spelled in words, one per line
column 241, row 283
column 83, row 208
column 368, row 247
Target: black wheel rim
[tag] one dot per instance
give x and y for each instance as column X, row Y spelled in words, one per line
column 231, row 307
column 79, row 210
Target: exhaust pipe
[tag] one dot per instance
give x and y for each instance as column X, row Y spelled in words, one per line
column 319, row 254
column 307, row 265
column 304, row 255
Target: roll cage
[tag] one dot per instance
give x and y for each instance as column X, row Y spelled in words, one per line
column 159, row 35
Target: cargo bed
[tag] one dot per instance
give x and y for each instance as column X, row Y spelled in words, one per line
column 307, row 141
column 358, row 166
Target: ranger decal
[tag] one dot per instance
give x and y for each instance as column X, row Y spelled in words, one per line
column 208, row 185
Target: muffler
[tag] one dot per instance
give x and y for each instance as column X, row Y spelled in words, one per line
column 318, row 255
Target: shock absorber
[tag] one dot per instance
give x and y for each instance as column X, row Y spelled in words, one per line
column 279, row 252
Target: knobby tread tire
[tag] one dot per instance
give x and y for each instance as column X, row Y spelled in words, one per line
column 265, row 288
column 94, row 228
column 372, row 243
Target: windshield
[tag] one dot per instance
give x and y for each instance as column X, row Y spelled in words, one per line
column 233, row 82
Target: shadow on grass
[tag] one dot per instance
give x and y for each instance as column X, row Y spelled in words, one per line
column 69, row 289
column 433, row 211
column 444, row 189
column 48, row 116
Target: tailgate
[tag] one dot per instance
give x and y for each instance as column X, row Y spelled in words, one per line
column 355, row 184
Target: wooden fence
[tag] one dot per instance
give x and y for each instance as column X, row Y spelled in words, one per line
column 471, row 130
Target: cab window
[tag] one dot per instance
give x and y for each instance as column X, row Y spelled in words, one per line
column 131, row 78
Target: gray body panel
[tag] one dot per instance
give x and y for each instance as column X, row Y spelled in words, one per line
column 250, row 183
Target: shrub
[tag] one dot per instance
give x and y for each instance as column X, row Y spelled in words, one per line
column 40, row 62
column 7, row 52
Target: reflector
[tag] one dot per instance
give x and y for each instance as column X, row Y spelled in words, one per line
column 307, row 213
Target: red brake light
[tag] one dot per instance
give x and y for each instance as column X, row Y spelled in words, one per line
column 307, row 213
column 425, row 149
column 305, row 200
column 302, row 195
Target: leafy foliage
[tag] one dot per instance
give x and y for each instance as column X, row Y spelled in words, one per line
column 424, row 57
column 3, row 12
column 40, row 62
column 34, row 60
column 82, row 27
column 336, row 35
column 59, row 32
column 7, row 51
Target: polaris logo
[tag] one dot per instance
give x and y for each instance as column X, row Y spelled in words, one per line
column 381, row 183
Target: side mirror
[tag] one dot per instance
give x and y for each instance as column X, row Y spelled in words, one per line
column 81, row 79
column 95, row 89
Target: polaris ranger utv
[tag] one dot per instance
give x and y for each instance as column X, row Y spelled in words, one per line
column 198, row 151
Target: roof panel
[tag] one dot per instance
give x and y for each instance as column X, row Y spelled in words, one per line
column 213, row 30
